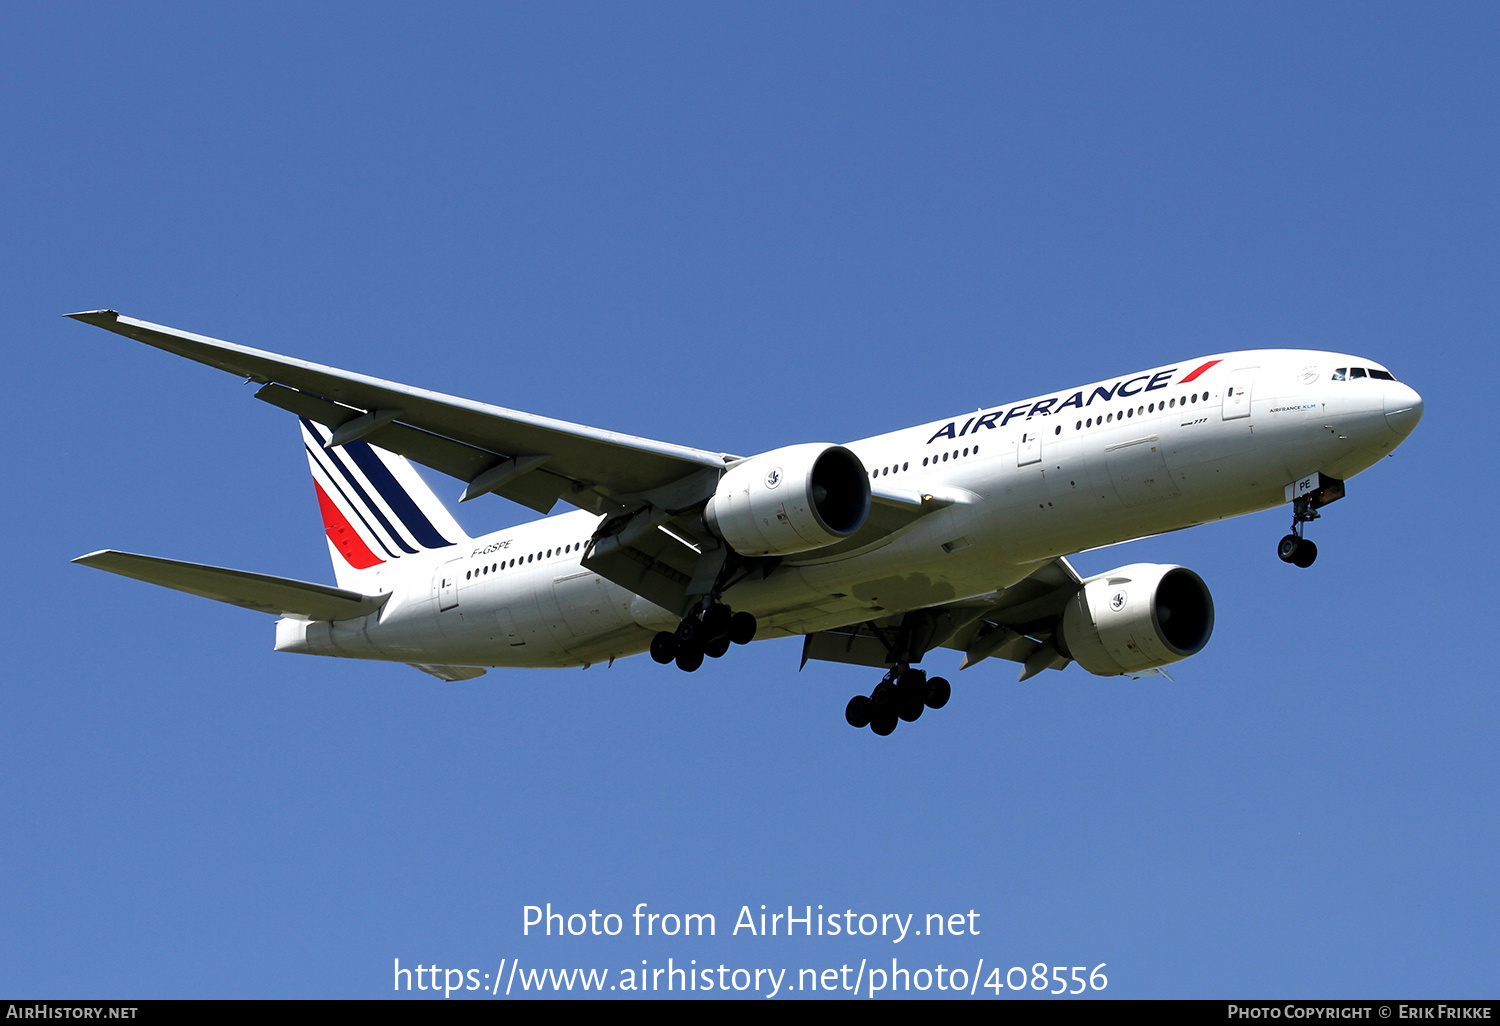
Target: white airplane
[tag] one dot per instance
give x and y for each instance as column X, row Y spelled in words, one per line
column 948, row 535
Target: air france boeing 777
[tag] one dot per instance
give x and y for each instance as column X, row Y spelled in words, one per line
column 948, row 535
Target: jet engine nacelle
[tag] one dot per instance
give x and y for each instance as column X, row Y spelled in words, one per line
column 1136, row 618
column 790, row 500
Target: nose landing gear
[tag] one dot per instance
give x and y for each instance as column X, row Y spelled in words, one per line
column 1294, row 548
column 901, row 695
column 1307, row 494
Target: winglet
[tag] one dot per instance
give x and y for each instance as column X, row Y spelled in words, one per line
column 95, row 317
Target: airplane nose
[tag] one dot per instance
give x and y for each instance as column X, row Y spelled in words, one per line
column 1403, row 408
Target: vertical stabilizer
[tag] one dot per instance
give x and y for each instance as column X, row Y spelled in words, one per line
column 375, row 507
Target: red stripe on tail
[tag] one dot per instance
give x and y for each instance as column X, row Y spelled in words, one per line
column 348, row 542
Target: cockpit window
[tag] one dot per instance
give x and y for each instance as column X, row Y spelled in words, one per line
column 1341, row 374
column 1382, row 375
column 1356, row 372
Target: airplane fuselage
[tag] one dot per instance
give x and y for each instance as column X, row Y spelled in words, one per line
column 1124, row 458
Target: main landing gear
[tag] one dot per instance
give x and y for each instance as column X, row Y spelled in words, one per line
column 1294, row 548
column 707, row 633
column 901, row 695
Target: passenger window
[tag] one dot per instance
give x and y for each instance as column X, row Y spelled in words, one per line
column 1356, row 372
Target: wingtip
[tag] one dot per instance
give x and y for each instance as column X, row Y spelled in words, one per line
column 87, row 557
column 95, row 316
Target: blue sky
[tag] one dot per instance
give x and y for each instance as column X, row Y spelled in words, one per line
column 740, row 227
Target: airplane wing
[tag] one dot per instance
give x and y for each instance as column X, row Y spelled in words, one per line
column 641, row 486
column 263, row 593
column 1016, row 623
column 532, row 460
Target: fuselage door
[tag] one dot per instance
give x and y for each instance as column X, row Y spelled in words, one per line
column 447, row 585
column 1237, row 393
column 1029, row 448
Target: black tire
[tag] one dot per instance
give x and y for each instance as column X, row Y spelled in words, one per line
column 884, row 696
column 1288, row 547
column 883, row 723
column 689, row 658
column 664, row 647
column 716, row 621
column 742, row 627
column 690, row 631
column 938, row 692
column 911, row 710
column 1306, row 553
column 858, row 712
column 911, row 688
column 716, row 648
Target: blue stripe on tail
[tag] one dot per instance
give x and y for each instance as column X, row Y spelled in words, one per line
column 333, row 460
column 395, row 496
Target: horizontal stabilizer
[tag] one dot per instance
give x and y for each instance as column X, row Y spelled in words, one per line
column 280, row 596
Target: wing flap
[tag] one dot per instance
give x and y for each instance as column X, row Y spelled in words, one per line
column 451, row 674
column 280, row 596
column 1015, row 624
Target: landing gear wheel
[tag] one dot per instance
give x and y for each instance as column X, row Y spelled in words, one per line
column 911, row 694
column 690, row 631
column 938, row 692
column 1306, row 553
column 664, row 647
column 689, row 658
column 858, row 712
column 716, row 648
column 883, row 723
column 742, row 628
column 884, row 696
column 716, row 621
column 1286, row 549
